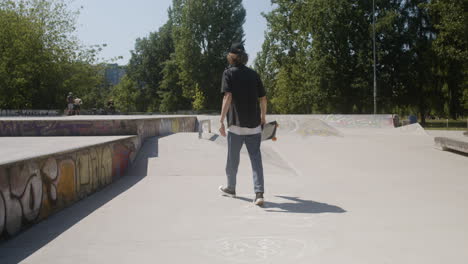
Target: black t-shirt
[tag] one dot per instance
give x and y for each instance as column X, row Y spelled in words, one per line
column 246, row 87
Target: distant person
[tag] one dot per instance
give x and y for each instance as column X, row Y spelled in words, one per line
column 245, row 105
column 70, row 102
column 110, row 107
column 77, row 105
column 396, row 121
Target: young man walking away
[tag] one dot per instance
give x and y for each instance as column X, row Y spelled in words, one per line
column 245, row 106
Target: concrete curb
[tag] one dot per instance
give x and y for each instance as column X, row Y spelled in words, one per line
column 444, row 143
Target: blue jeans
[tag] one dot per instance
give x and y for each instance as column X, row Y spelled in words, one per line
column 235, row 143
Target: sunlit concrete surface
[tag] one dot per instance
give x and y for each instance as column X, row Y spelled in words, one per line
column 362, row 195
column 21, row 148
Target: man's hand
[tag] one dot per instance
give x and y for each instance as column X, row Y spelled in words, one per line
column 222, row 130
column 263, row 121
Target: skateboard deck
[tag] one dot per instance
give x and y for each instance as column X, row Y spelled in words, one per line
column 269, row 131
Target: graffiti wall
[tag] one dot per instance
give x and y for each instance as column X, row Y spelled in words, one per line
column 32, row 190
column 9, row 128
column 165, row 126
column 30, row 112
column 98, row 127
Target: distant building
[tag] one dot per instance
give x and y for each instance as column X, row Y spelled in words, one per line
column 114, row 74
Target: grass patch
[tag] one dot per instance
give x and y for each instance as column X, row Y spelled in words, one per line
column 443, row 125
column 446, row 128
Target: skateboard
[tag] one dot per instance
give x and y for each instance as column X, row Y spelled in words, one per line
column 269, row 131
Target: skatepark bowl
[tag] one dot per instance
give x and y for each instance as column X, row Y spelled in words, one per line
column 144, row 189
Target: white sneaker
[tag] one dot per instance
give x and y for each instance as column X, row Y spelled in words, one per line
column 259, row 199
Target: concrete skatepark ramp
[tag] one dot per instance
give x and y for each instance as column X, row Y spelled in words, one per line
column 381, row 196
column 357, row 121
column 320, row 125
column 41, row 175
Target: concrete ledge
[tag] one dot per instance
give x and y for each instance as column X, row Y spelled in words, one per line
column 357, row 121
column 452, row 144
column 97, row 126
column 35, row 188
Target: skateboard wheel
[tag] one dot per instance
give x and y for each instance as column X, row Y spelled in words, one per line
column 274, row 139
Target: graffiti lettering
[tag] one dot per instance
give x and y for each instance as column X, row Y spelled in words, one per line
column 10, row 112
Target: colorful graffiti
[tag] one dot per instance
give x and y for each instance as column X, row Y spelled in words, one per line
column 120, row 159
column 96, row 127
column 32, row 190
column 94, row 169
column 64, row 128
column 28, row 112
column 21, row 192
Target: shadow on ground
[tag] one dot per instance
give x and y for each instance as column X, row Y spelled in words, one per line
column 297, row 205
column 456, row 152
column 25, row 244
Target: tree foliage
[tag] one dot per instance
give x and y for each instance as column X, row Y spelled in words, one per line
column 180, row 65
column 146, row 66
column 40, row 60
column 203, row 31
column 317, row 56
column 126, row 94
column 451, row 48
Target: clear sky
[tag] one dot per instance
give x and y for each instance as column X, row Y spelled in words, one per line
column 118, row 23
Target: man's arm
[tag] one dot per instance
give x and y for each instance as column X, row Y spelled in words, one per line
column 263, row 109
column 227, row 99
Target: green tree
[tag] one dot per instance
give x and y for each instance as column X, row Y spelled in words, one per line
column 171, row 90
column 265, row 66
column 451, row 47
column 20, row 39
column 321, row 56
column 419, row 37
column 147, row 63
column 284, row 62
column 125, row 95
column 317, row 56
column 203, row 30
column 39, row 57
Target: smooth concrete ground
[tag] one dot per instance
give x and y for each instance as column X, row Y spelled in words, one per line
column 20, row 148
column 368, row 196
